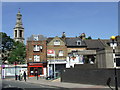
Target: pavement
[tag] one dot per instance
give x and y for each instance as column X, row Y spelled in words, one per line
column 58, row 83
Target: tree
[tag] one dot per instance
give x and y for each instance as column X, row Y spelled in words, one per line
column 18, row 53
column 89, row 37
column 11, row 51
column 6, row 45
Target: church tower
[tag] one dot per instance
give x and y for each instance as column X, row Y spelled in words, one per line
column 19, row 30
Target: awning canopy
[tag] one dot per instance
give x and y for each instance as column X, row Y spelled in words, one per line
column 57, row 61
column 85, row 52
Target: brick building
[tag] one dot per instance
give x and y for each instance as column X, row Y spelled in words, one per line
column 36, row 55
column 56, row 59
column 49, row 55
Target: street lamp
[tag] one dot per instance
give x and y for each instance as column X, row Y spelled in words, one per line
column 114, row 59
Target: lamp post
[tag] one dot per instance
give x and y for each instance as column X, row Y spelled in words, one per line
column 114, row 60
column 54, row 66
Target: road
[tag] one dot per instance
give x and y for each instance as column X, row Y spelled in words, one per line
column 18, row 85
column 28, row 86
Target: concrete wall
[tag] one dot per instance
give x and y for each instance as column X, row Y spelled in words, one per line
column 104, row 58
column 109, row 58
column 89, row 76
column 100, row 59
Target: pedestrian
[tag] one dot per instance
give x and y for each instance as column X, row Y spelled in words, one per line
column 20, row 75
column 24, row 74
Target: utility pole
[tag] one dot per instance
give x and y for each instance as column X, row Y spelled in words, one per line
column 114, row 60
column 54, row 65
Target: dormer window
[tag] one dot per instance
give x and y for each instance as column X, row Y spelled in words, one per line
column 56, row 42
column 79, row 42
column 36, row 38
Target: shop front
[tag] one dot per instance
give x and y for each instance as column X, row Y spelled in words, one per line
column 35, row 69
column 55, row 66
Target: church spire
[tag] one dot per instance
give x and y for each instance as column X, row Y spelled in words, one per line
column 19, row 20
column 19, row 30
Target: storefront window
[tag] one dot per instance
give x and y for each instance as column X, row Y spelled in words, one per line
column 31, row 70
column 40, row 70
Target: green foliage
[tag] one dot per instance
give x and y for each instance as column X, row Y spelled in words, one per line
column 6, row 45
column 11, row 51
column 89, row 37
column 18, row 53
column 7, row 42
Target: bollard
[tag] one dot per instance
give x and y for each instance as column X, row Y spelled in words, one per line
column 37, row 77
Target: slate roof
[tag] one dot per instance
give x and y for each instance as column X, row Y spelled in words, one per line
column 40, row 38
column 49, row 39
column 91, row 44
column 94, row 44
column 73, row 42
column 105, row 41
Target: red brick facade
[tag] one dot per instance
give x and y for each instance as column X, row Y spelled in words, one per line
column 30, row 51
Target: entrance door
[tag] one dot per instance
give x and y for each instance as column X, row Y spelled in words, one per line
column 40, row 70
column 36, row 71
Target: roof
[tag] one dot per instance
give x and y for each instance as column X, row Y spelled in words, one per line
column 39, row 38
column 73, row 42
column 51, row 38
column 94, row 44
column 105, row 41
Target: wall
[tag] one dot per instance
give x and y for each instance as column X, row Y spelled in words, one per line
column 82, row 66
column 30, row 53
column 89, row 76
column 104, row 58
column 57, row 48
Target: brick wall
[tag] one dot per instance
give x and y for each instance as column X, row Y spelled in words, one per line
column 30, row 53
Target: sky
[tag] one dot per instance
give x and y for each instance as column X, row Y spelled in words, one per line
column 95, row 19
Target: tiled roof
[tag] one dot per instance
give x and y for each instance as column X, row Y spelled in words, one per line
column 94, row 44
column 49, row 39
column 105, row 41
column 73, row 42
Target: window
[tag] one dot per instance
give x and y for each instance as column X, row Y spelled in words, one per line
column 57, row 42
column 31, row 70
column 78, row 42
column 36, row 58
column 15, row 33
column 40, row 47
column 36, row 48
column 20, row 33
column 61, row 53
column 118, row 62
column 36, row 38
column 40, row 71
